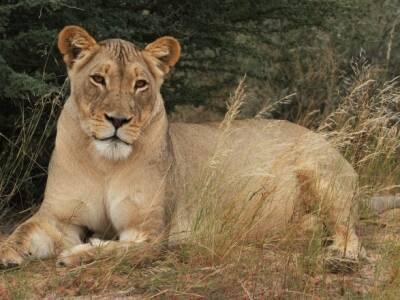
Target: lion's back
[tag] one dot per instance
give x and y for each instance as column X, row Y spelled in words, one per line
column 249, row 152
column 244, row 142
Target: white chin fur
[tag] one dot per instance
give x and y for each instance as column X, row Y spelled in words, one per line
column 113, row 150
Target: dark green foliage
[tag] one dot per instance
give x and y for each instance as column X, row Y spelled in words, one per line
column 214, row 35
column 283, row 46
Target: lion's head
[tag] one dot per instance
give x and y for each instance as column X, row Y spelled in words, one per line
column 116, row 86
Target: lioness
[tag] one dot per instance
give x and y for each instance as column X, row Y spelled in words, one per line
column 120, row 170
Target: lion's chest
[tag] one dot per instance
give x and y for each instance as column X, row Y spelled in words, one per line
column 111, row 210
column 123, row 204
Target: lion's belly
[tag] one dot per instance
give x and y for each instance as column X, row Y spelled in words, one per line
column 252, row 167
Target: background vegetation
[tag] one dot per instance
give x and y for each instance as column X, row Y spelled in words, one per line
column 330, row 65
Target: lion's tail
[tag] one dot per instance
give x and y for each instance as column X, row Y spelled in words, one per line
column 382, row 203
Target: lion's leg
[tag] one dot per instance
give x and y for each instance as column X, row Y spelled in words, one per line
column 142, row 249
column 336, row 201
column 341, row 215
column 139, row 218
column 38, row 237
column 138, row 228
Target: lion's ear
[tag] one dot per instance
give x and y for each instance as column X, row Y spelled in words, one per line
column 74, row 42
column 166, row 50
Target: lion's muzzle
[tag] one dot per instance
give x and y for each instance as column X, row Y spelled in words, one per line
column 117, row 121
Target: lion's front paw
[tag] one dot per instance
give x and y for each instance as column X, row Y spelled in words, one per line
column 341, row 260
column 9, row 257
column 67, row 259
column 76, row 256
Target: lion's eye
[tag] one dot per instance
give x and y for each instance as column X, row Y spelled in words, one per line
column 98, row 79
column 140, row 83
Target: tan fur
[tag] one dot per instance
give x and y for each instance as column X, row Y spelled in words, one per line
column 145, row 186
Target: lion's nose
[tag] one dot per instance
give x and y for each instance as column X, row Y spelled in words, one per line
column 117, row 121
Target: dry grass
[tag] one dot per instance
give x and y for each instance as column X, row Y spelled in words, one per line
column 22, row 153
column 365, row 128
column 217, row 262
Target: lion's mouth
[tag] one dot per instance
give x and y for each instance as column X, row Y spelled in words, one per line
column 114, row 138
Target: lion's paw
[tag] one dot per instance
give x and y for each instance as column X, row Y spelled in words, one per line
column 76, row 256
column 9, row 257
column 339, row 260
column 67, row 259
